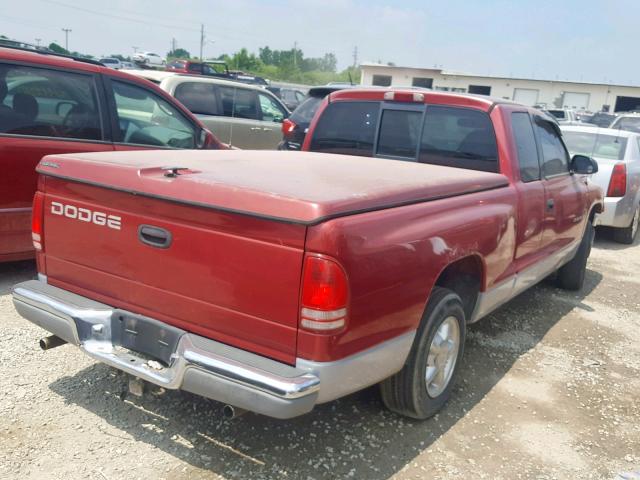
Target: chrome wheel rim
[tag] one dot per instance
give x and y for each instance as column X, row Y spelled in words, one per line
column 442, row 356
column 634, row 222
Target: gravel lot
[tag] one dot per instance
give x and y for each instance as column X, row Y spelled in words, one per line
column 549, row 390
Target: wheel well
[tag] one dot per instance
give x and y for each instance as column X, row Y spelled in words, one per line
column 597, row 208
column 463, row 277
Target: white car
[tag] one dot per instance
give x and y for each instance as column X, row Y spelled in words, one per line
column 112, row 63
column 149, row 59
column 618, row 155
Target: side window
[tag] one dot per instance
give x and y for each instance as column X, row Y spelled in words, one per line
column 347, row 128
column 147, row 119
column 526, row 146
column 555, row 159
column 459, row 137
column 198, row 97
column 271, row 111
column 399, row 133
column 48, row 103
column 239, row 102
column 381, row 80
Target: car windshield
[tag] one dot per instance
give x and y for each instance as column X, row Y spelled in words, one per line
column 594, row 144
column 631, row 124
column 109, row 60
column 305, row 111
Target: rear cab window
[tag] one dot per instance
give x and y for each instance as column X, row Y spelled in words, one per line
column 439, row 135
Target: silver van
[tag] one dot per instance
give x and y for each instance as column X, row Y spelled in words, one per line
column 244, row 116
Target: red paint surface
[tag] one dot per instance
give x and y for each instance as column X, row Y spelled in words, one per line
column 19, row 155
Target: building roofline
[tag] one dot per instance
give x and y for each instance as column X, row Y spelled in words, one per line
column 463, row 74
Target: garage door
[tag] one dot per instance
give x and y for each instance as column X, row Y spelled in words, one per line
column 526, row 96
column 579, row 101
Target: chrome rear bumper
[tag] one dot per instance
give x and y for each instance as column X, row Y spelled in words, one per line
column 198, row 365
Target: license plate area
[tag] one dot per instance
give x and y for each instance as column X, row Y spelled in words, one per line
column 144, row 335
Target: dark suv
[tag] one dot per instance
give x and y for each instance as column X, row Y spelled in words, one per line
column 295, row 127
column 53, row 104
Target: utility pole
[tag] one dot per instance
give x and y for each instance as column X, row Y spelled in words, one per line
column 355, row 57
column 135, row 50
column 201, row 39
column 66, row 38
column 38, row 40
column 173, row 45
column 295, row 54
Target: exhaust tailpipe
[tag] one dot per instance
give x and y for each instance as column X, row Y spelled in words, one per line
column 47, row 343
column 230, row 412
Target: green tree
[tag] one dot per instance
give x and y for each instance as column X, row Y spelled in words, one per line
column 54, row 47
column 179, row 53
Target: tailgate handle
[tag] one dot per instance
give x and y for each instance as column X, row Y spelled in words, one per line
column 154, row 236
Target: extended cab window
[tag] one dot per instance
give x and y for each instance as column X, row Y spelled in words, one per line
column 347, row 128
column 459, row 137
column 555, row 158
column 146, row 119
column 526, row 146
column 198, row 97
column 48, row 103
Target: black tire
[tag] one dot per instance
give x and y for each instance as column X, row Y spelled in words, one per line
column 571, row 275
column 406, row 391
column 628, row 234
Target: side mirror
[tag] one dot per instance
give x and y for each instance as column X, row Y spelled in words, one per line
column 583, row 165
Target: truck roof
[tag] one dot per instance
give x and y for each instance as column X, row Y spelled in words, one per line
column 295, row 187
column 422, row 95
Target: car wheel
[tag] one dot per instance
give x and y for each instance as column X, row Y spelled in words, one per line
column 424, row 384
column 571, row 275
column 628, row 234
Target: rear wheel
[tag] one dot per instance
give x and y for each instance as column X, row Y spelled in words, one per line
column 571, row 275
column 628, row 234
column 424, row 384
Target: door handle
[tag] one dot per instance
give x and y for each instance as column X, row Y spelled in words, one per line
column 154, row 236
column 551, row 204
column 254, row 129
column 267, row 129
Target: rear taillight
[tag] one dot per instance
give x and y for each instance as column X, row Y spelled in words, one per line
column 288, row 126
column 37, row 219
column 618, row 182
column 325, row 293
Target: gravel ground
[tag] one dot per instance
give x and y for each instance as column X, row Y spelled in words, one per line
column 549, row 389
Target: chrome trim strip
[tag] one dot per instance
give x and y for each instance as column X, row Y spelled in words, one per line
column 358, row 371
column 15, row 210
column 60, row 311
column 511, row 287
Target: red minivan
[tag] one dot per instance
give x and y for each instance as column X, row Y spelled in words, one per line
column 58, row 104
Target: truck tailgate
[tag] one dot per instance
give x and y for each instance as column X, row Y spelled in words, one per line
column 225, row 276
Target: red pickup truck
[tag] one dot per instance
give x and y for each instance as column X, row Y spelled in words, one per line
column 275, row 281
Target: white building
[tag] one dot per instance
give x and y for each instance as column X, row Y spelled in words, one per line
column 547, row 93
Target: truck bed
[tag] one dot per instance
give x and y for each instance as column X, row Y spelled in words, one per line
column 316, row 186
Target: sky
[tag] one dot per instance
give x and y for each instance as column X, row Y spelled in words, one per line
column 580, row 40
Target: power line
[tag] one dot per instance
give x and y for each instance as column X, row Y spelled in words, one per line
column 118, row 17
